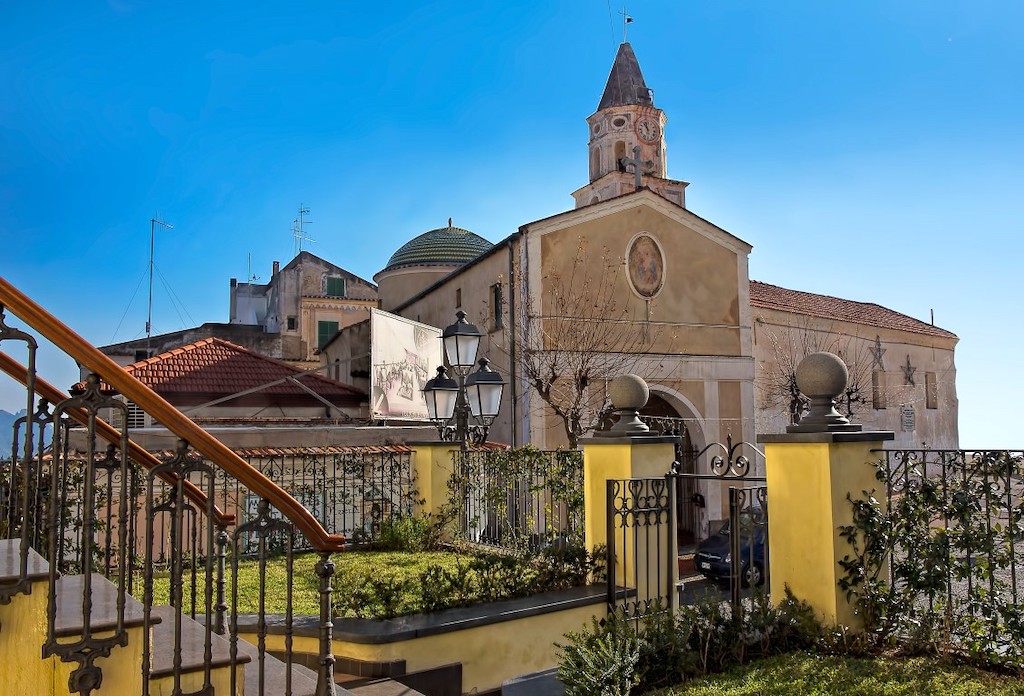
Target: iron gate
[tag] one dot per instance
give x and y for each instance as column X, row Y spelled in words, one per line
column 644, row 537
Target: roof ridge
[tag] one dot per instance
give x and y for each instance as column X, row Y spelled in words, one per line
column 885, row 317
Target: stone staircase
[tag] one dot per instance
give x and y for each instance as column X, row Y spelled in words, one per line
column 23, row 632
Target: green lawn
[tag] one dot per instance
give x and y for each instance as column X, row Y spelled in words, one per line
column 351, row 569
column 806, row 674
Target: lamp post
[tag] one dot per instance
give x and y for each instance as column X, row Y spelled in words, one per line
column 451, row 402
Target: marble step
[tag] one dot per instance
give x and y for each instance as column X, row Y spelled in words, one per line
column 10, row 563
column 103, row 616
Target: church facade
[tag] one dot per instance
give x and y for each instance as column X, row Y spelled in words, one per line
column 630, row 280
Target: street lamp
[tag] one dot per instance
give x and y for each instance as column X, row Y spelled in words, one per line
column 449, row 402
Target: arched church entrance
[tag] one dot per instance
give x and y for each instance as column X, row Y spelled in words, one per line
column 664, row 417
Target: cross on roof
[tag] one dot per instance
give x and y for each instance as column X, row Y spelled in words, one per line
column 640, row 167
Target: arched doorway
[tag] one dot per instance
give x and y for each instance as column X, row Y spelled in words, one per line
column 663, row 416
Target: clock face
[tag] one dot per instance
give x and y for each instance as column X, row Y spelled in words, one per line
column 647, row 130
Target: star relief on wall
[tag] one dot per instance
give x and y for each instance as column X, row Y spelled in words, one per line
column 908, row 372
column 877, row 351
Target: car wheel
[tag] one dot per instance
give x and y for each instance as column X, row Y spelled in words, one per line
column 753, row 575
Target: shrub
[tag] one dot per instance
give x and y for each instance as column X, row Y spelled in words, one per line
column 412, row 533
column 602, row 660
column 702, row 638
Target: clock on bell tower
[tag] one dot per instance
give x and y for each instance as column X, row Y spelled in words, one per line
column 626, row 118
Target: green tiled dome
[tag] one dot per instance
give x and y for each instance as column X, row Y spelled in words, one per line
column 445, row 246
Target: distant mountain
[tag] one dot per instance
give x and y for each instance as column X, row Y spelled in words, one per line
column 7, row 430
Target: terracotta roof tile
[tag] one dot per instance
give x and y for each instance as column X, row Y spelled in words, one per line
column 215, row 366
column 827, row 307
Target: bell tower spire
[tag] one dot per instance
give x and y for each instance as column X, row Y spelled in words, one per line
column 627, row 119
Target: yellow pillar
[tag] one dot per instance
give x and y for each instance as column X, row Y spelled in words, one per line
column 642, row 456
column 432, row 465
column 809, row 476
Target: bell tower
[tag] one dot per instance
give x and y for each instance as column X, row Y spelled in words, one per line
column 626, row 119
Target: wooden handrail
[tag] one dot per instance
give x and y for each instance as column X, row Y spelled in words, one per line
column 174, row 420
column 47, row 391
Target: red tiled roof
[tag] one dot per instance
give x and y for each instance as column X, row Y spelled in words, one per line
column 245, row 452
column 827, row 307
column 214, row 366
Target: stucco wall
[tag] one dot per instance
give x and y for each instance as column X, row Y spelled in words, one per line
column 782, row 337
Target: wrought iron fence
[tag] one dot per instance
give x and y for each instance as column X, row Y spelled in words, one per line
column 521, row 499
column 953, row 529
column 349, row 491
column 642, row 545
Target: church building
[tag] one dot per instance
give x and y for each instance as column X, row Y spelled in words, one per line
column 632, row 281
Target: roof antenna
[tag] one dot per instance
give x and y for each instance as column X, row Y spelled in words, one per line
column 626, row 21
column 250, row 276
column 153, row 222
column 297, row 232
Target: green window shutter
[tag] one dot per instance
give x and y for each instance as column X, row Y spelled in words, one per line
column 336, row 287
column 325, row 331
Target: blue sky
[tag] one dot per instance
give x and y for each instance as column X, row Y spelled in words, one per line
column 869, row 150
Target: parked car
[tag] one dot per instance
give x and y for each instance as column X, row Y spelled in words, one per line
column 713, row 558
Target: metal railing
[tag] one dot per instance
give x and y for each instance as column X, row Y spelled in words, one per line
column 955, row 519
column 82, row 511
column 520, row 499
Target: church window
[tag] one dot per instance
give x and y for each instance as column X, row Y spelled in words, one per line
column 620, row 154
column 325, row 331
column 595, row 162
column 878, row 389
column 291, row 323
column 497, row 302
column 931, row 390
column 335, row 286
column 619, row 122
column 458, row 297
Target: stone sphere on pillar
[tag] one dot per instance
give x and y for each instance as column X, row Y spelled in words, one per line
column 629, row 391
column 822, row 375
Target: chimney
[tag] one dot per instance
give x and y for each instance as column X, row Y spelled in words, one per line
column 277, row 268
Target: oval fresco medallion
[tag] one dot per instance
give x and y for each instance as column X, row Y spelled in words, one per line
column 645, row 265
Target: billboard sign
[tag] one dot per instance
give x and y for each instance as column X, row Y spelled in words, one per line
column 404, row 354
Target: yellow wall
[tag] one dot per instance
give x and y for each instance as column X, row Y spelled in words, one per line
column 489, row 654
column 432, row 464
column 23, row 671
column 808, row 483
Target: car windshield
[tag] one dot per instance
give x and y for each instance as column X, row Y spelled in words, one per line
column 747, row 521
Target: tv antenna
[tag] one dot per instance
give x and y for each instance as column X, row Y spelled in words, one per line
column 153, row 222
column 250, row 276
column 297, row 228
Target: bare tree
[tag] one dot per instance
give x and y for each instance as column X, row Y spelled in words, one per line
column 570, row 343
column 776, row 383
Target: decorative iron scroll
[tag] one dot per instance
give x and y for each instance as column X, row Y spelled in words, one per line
column 732, row 465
